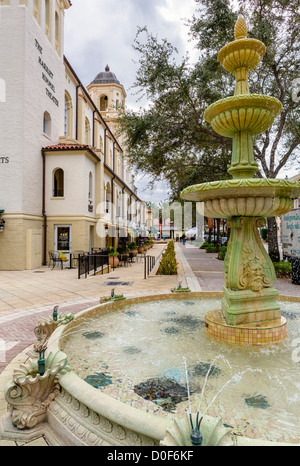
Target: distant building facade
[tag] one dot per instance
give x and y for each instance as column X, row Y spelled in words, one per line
column 65, row 184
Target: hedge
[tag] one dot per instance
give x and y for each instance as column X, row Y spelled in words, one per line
column 168, row 264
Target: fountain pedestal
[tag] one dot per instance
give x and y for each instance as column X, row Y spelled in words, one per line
column 250, row 312
column 249, row 274
column 249, row 334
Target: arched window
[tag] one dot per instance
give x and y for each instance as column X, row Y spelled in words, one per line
column 90, row 185
column 48, row 18
column 47, row 124
column 57, row 32
column 87, row 132
column 68, row 116
column 58, row 183
column 103, row 103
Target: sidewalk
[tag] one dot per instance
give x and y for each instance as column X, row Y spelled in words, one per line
column 28, row 296
column 209, row 271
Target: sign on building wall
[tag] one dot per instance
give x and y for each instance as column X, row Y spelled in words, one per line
column 290, row 224
column 47, row 76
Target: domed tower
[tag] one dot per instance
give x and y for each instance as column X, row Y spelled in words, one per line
column 109, row 96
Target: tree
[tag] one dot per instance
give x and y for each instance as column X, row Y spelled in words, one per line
column 171, row 139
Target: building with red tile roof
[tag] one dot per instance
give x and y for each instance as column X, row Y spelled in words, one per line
column 65, row 183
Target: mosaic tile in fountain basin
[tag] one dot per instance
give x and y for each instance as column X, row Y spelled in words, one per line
column 93, row 335
column 257, row 401
column 98, row 380
column 272, row 374
column 164, row 391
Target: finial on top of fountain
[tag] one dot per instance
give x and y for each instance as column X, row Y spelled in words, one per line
column 240, row 29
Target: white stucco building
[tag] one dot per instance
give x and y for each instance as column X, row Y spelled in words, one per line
column 65, row 184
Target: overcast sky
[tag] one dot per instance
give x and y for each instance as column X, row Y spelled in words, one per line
column 101, row 32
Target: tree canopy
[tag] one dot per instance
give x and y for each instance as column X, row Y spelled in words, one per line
column 169, row 139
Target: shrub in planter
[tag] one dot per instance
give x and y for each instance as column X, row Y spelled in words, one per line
column 168, row 264
column 204, row 245
column 283, row 269
column 113, row 258
column 133, row 249
column 212, row 248
column 222, row 254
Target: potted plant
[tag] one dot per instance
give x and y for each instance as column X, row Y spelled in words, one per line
column 113, row 259
column 141, row 248
column 133, row 249
column 146, row 245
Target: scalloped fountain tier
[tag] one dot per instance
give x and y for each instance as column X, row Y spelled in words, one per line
column 252, row 197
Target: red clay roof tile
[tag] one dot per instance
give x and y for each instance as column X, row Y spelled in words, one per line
column 66, row 147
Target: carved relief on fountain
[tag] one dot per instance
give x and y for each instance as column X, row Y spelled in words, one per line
column 29, row 393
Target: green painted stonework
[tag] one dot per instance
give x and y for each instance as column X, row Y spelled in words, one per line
column 248, row 271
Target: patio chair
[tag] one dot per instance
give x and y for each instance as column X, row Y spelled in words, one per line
column 55, row 259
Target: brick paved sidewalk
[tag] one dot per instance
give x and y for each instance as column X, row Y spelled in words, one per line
column 28, row 296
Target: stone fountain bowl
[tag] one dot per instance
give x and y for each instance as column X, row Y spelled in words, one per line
column 253, row 113
column 83, row 415
column 248, row 197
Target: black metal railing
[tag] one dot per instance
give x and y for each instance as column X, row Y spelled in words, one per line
column 92, row 262
column 149, row 263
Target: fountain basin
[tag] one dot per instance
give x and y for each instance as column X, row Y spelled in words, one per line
column 84, row 415
column 246, row 197
column 253, row 113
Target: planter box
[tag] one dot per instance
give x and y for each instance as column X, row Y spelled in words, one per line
column 113, row 261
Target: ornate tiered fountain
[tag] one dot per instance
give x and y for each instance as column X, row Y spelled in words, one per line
column 250, row 312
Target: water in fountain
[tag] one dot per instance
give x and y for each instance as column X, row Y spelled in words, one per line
column 220, row 356
column 135, row 350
